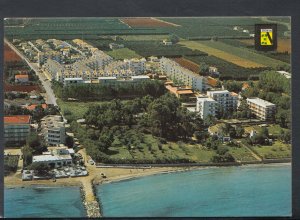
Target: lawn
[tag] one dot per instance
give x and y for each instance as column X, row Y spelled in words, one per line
column 123, row 53
column 276, row 151
column 77, row 109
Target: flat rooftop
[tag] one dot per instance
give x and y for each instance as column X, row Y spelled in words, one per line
column 49, row 158
column 260, row 102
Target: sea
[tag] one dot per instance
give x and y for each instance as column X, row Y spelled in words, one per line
column 43, row 202
column 254, row 190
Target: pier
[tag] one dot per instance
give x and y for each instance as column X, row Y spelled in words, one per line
column 90, row 202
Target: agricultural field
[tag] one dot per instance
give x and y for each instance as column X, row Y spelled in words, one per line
column 147, row 22
column 282, row 53
column 156, row 48
column 123, row 53
column 156, row 37
column 239, row 56
column 276, row 151
column 187, row 64
column 10, row 55
column 64, row 28
column 283, row 45
column 228, row 70
column 218, row 26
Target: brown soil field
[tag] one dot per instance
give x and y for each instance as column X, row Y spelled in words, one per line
column 10, row 55
column 187, row 64
column 283, row 45
column 21, row 88
column 146, row 22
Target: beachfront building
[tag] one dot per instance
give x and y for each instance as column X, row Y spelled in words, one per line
column 53, row 130
column 16, row 128
column 228, row 101
column 53, row 160
column 206, row 106
column 262, row 109
column 21, row 78
column 176, row 72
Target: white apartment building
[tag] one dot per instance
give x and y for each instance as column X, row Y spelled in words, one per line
column 53, row 129
column 174, row 71
column 226, row 100
column 136, row 65
column 262, row 109
column 206, row 106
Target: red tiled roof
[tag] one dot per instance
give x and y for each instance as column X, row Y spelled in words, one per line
column 32, row 107
column 234, row 94
column 245, row 86
column 21, row 76
column 17, row 119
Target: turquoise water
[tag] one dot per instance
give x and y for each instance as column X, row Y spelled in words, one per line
column 43, row 202
column 263, row 190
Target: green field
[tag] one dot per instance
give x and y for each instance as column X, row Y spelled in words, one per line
column 123, row 53
column 216, row 26
column 149, row 151
column 276, row 151
column 156, row 48
column 92, row 28
column 77, row 109
column 241, row 154
column 144, row 37
column 240, row 56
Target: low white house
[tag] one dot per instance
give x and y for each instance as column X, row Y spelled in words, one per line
column 53, row 161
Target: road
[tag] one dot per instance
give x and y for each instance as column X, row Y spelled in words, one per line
column 51, row 99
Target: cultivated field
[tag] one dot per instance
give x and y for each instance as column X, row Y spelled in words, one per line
column 152, row 37
column 227, row 56
column 241, row 56
column 283, row 45
column 10, row 55
column 147, row 22
column 187, row 64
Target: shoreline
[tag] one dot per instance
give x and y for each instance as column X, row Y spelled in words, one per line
column 14, row 181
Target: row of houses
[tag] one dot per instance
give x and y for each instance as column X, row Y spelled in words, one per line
column 107, row 80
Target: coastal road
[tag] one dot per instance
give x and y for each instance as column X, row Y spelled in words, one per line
column 50, row 99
